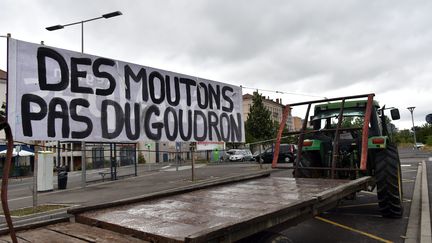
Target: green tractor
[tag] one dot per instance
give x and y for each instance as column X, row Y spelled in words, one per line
column 348, row 138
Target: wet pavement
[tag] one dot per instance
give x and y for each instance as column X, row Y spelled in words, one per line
column 359, row 220
column 352, row 221
column 199, row 212
column 146, row 182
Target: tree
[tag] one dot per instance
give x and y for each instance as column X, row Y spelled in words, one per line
column 423, row 132
column 259, row 125
column 350, row 121
column 404, row 136
column 423, row 135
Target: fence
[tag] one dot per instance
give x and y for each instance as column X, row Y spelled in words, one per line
column 110, row 161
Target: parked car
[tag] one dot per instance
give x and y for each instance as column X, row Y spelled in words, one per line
column 248, row 155
column 419, row 146
column 287, row 153
column 240, row 155
column 224, row 155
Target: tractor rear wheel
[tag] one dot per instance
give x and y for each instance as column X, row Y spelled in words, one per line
column 389, row 182
column 310, row 159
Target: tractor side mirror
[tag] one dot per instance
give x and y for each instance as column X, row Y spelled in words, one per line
column 395, row 114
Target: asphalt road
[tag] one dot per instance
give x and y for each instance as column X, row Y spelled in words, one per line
column 23, row 186
column 352, row 221
column 359, row 220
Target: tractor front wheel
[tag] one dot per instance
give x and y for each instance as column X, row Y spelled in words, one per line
column 389, row 182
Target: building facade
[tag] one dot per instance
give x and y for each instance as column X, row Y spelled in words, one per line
column 274, row 106
column 297, row 123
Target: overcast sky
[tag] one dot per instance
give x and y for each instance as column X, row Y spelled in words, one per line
column 319, row 48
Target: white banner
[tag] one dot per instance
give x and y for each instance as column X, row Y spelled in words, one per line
column 203, row 146
column 56, row 94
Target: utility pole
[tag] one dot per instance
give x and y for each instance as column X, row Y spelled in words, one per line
column 57, row 27
column 411, row 109
column 192, row 147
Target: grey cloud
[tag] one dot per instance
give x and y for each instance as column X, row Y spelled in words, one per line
column 300, row 46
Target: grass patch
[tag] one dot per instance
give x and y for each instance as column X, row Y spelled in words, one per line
column 428, row 148
column 33, row 210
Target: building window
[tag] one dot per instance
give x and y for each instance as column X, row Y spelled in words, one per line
column 98, row 157
column 127, row 155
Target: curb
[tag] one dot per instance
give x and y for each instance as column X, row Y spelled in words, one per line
column 413, row 228
column 425, row 230
column 419, row 223
column 34, row 222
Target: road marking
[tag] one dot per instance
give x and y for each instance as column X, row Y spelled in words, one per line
column 19, row 198
column 353, row 230
column 409, row 171
column 357, row 215
column 367, row 204
column 358, row 205
column 406, row 165
column 184, row 167
column 407, row 180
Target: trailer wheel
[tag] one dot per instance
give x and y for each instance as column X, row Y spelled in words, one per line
column 389, row 182
column 310, row 159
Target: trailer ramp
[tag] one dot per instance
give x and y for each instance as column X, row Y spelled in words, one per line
column 225, row 213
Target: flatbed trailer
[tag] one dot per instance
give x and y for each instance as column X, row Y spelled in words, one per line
column 222, row 213
column 226, row 210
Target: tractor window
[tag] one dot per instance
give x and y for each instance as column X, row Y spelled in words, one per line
column 353, row 117
column 331, row 123
column 352, row 112
column 349, row 121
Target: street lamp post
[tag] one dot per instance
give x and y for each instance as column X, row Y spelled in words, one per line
column 411, row 109
column 105, row 16
column 57, row 27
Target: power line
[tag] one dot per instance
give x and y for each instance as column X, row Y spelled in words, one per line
column 283, row 92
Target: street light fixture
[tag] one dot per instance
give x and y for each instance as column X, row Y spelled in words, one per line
column 106, row 16
column 6, row 36
column 55, row 27
column 411, row 109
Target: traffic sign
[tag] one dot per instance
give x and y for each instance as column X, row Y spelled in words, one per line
column 429, row 118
